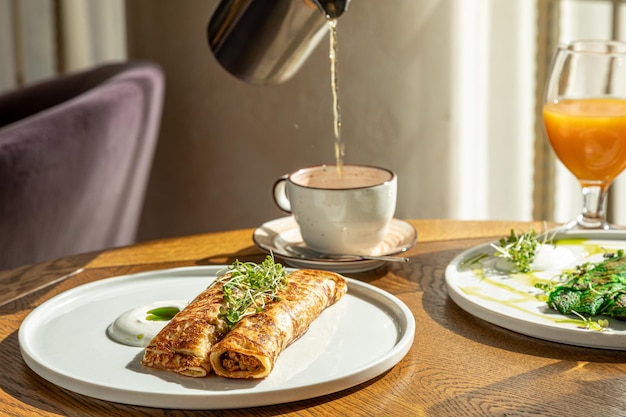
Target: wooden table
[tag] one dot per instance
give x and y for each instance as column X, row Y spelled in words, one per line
column 458, row 365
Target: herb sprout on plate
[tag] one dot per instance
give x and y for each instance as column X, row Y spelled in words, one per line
column 249, row 286
column 519, row 249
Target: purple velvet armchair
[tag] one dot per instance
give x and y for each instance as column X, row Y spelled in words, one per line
column 75, row 156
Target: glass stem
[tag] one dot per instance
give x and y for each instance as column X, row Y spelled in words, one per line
column 593, row 216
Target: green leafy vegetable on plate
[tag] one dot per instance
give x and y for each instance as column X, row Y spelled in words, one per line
column 591, row 289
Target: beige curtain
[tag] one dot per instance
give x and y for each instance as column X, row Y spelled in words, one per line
column 42, row 38
column 544, row 161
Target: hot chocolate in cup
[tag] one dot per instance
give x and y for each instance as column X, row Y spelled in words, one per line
column 345, row 212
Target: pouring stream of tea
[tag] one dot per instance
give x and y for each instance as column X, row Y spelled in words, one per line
column 339, row 146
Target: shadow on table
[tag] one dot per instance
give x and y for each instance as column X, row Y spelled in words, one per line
column 247, row 254
column 28, row 279
column 518, row 395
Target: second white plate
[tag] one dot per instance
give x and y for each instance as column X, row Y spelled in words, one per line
column 511, row 300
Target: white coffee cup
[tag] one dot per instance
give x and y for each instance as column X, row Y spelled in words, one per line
column 345, row 213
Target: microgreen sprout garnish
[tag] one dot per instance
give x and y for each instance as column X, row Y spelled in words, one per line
column 519, row 249
column 249, row 286
column 601, row 325
column 162, row 313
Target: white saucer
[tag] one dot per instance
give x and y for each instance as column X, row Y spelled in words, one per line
column 278, row 235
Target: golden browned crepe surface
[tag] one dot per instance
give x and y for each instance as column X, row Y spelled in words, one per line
column 184, row 344
column 252, row 347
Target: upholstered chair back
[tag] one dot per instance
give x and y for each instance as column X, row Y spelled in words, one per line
column 75, row 156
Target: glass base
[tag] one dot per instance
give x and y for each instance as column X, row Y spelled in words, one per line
column 579, row 224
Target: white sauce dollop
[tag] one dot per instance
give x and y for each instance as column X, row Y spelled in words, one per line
column 552, row 257
column 132, row 328
column 547, row 257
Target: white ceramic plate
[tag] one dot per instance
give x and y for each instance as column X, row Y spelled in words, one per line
column 278, row 235
column 64, row 341
column 510, row 301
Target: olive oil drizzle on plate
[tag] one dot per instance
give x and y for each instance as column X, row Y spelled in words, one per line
column 516, row 285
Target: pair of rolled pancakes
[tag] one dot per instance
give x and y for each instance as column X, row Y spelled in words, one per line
column 197, row 340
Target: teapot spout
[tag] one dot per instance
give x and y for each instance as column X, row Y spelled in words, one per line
column 332, row 9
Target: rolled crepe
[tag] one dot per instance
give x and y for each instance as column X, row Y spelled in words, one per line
column 184, row 344
column 251, row 348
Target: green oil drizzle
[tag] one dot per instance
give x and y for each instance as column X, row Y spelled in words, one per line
column 476, row 291
column 589, row 249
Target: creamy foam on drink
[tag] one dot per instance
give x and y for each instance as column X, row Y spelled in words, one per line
column 328, row 177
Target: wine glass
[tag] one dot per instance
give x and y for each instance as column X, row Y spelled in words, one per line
column 584, row 115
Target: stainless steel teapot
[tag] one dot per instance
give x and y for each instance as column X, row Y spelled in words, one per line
column 266, row 41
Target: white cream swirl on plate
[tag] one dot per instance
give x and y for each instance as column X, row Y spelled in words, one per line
column 547, row 256
column 137, row 327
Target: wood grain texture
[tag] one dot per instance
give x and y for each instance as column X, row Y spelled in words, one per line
column 458, row 366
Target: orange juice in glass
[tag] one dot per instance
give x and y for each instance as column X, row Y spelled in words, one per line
column 584, row 115
column 589, row 137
